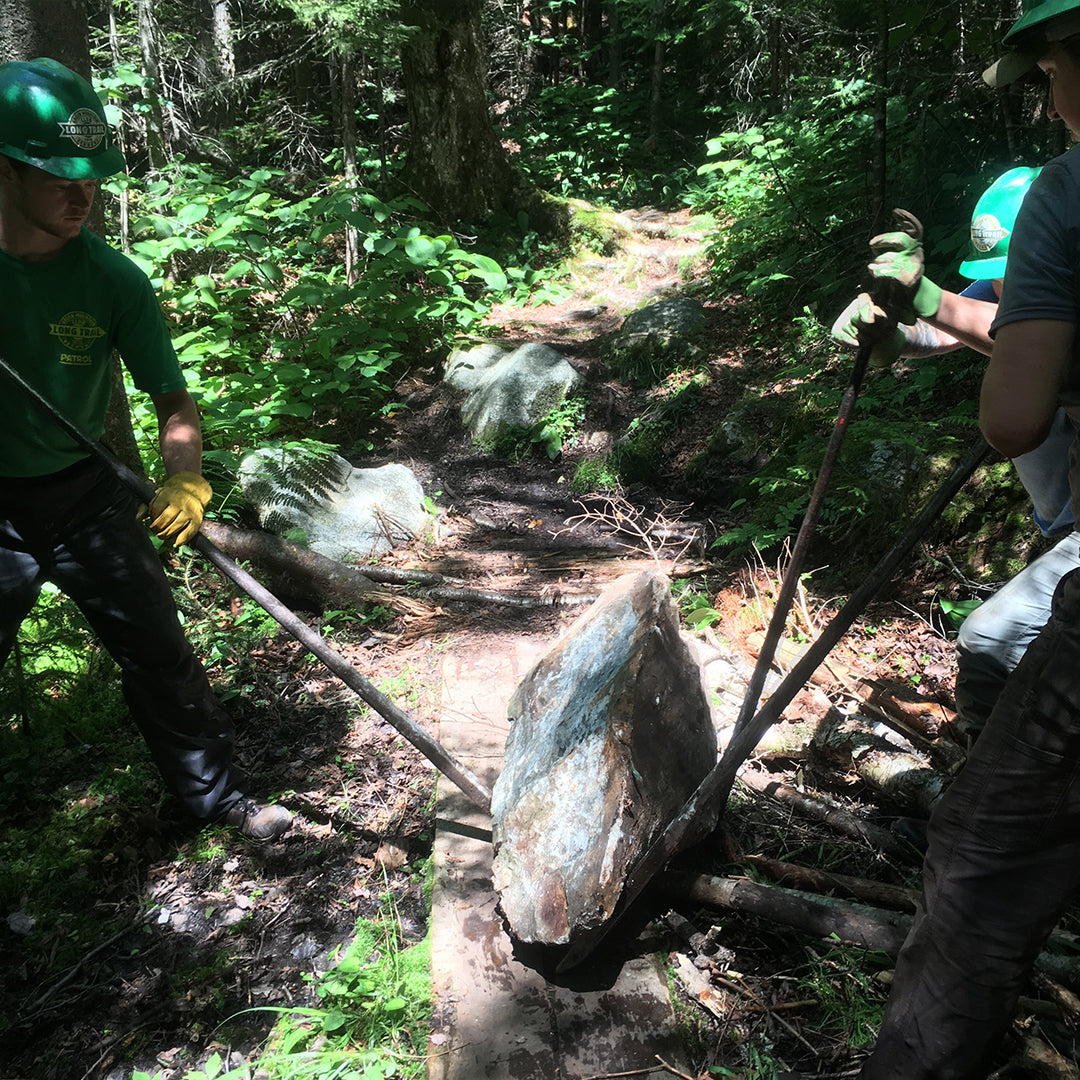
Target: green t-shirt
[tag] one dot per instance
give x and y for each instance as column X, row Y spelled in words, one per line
column 60, row 319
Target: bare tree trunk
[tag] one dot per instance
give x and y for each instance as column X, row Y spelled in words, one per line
column 659, row 56
column 155, row 123
column 878, row 213
column 456, row 162
column 591, row 21
column 348, row 145
column 613, row 44
column 775, row 64
column 222, row 52
column 120, row 134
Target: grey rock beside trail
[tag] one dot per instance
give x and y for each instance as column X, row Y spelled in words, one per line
column 343, row 512
column 611, row 733
column 509, row 389
column 656, row 340
column 468, row 368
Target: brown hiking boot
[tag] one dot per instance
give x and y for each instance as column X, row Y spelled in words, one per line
column 259, row 822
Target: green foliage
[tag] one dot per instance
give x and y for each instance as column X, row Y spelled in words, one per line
column 276, row 341
column 373, row 1022
column 549, row 436
column 850, row 1000
column 294, row 476
column 694, row 605
column 903, row 423
column 956, row 611
column 594, row 475
column 586, row 141
column 781, row 193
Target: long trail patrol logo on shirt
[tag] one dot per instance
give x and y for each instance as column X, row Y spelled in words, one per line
column 77, row 331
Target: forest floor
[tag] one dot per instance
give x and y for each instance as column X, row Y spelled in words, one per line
column 211, row 931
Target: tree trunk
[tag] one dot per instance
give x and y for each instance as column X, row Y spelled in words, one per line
column 348, row 145
column 775, row 65
column 877, row 213
column 659, row 56
column 223, row 56
column 613, row 44
column 456, row 163
column 155, row 123
column 58, row 29
column 591, row 23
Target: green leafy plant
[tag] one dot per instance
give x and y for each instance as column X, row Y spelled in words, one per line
column 276, row 341
column 373, row 1021
column 956, row 611
column 850, row 1000
column 549, row 435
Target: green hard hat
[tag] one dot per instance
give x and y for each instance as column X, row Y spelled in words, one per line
column 992, row 224
column 50, row 117
column 1043, row 21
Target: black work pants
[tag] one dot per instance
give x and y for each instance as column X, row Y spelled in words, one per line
column 1002, row 865
column 77, row 528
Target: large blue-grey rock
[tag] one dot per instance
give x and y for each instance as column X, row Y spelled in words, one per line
column 337, row 510
column 510, row 389
column 611, row 733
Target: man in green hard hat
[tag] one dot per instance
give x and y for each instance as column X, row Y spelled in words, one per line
column 1003, row 861
column 68, row 300
column 995, row 636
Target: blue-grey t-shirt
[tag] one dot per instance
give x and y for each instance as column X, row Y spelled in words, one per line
column 1042, row 276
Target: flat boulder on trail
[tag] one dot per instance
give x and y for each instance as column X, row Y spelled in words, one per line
column 610, row 735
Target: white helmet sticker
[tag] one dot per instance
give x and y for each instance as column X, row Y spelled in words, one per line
column 84, row 128
column 987, row 232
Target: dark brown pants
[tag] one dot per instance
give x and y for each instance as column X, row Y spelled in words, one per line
column 1002, row 865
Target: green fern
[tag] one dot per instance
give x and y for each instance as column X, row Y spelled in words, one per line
column 298, row 475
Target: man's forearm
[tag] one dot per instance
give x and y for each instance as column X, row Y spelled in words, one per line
column 179, row 433
column 966, row 320
column 1020, row 387
column 922, row 340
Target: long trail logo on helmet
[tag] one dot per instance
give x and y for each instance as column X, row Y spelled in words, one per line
column 84, row 128
column 987, row 232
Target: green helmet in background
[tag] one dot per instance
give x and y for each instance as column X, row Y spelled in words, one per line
column 51, row 118
column 1044, row 21
column 992, row 224
column 1041, row 23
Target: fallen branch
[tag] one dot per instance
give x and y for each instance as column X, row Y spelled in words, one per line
column 920, row 722
column 819, row 810
column 807, row 879
column 1037, row 1058
column 825, row 917
column 903, row 777
column 1066, row 1001
column 331, row 583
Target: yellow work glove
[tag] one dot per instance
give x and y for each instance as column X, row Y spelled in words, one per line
column 863, row 322
column 177, row 510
